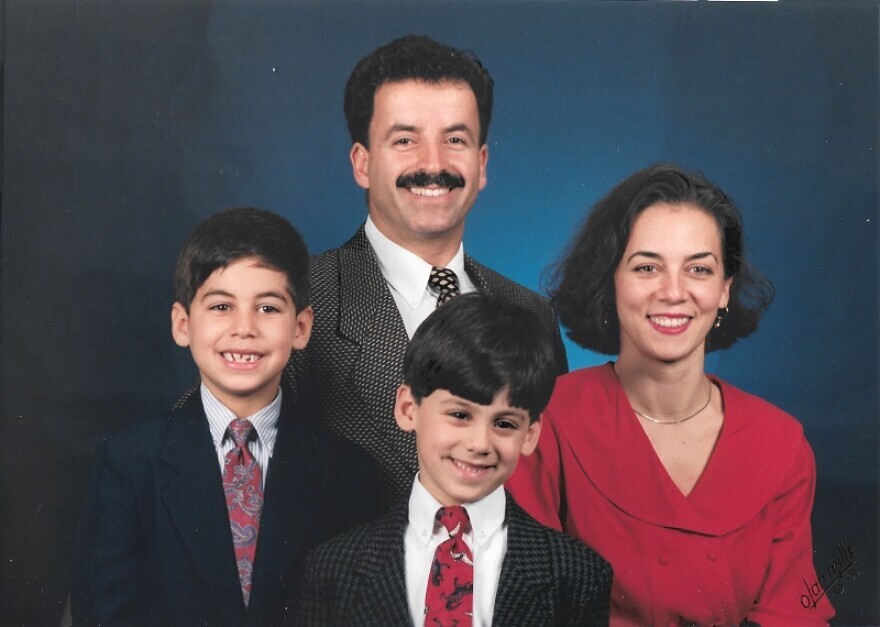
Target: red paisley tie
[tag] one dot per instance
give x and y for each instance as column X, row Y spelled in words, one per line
column 449, row 600
column 242, row 484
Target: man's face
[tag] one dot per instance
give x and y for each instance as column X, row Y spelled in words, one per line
column 418, row 131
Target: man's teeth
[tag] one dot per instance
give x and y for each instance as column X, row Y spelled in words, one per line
column 670, row 323
column 429, row 191
column 241, row 357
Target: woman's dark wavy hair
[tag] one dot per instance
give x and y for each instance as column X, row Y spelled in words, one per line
column 413, row 57
column 581, row 283
column 477, row 345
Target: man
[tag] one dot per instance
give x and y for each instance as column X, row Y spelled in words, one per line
column 418, row 112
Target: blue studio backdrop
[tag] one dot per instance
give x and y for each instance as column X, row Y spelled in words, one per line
column 127, row 123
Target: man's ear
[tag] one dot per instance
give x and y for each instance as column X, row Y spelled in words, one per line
column 405, row 408
column 484, row 161
column 303, row 331
column 180, row 324
column 360, row 164
column 531, row 440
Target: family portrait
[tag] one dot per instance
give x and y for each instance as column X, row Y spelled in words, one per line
column 440, row 313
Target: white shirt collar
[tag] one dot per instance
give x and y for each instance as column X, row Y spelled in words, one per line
column 486, row 514
column 219, row 416
column 406, row 272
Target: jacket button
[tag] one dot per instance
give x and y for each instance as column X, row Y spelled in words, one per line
column 663, row 560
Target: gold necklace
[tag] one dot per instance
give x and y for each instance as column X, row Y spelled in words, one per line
column 675, row 422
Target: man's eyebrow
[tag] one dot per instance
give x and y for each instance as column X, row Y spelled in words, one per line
column 400, row 128
column 461, row 127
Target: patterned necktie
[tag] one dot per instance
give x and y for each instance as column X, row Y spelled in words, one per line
column 449, row 600
column 242, row 484
column 446, row 282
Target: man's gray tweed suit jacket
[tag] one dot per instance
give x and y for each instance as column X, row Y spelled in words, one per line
column 350, row 370
column 547, row 578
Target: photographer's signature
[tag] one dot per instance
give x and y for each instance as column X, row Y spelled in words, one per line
column 845, row 564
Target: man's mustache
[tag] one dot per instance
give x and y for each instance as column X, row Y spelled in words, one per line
column 423, row 179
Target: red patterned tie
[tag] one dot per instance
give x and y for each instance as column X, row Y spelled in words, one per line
column 449, row 600
column 243, row 485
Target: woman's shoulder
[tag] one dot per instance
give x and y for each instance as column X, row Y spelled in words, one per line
column 592, row 380
column 746, row 411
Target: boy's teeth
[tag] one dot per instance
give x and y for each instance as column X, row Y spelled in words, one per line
column 240, row 357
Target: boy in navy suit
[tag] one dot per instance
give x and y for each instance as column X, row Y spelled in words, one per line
column 477, row 375
column 203, row 516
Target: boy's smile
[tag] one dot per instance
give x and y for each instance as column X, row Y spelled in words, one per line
column 466, row 450
column 241, row 328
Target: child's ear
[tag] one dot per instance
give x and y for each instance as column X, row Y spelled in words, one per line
column 405, row 407
column 180, row 324
column 531, row 439
column 303, row 331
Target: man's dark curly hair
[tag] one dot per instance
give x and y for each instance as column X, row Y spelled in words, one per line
column 581, row 284
column 419, row 58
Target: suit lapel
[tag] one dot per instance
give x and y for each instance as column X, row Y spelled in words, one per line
column 524, row 595
column 381, row 587
column 477, row 276
column 369, row 317
column 193, row 494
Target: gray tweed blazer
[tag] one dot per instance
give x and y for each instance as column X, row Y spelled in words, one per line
column 547, row 578
column 349, row 373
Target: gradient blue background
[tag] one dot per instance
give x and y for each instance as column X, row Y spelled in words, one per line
column 126, row 123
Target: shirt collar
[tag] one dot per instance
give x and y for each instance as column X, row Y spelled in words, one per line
column 406, row 272
column 486, row 514
column 219, row 416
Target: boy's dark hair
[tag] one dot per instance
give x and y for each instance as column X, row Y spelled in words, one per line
column 582, row 283
column 419, row 58
column 240, row 232
column 477, row 345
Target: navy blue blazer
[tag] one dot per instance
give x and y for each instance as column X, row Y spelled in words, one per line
column 548, row 579
column 154, row 545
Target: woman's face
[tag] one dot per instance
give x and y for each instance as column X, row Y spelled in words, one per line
column 670, row 284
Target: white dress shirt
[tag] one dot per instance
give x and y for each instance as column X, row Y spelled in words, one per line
column 265, row 424
column 487, row 541
column 407, row 275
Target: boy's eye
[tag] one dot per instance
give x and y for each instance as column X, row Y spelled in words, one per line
column 220, row 307
column 459, row 415
column 506, row 424
column 268, row 308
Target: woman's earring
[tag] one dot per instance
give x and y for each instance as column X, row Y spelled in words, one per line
column 720, row 317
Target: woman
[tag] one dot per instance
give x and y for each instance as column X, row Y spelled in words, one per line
column 697, row 493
